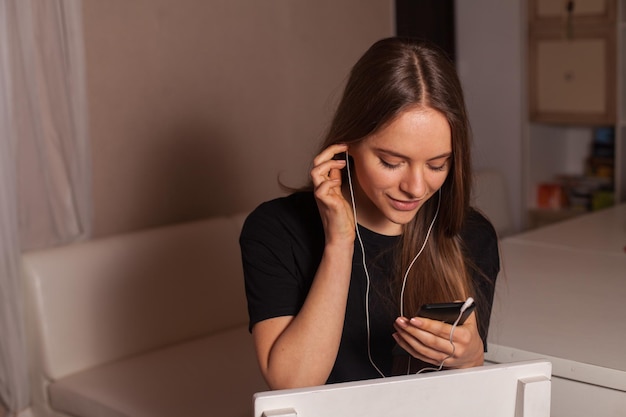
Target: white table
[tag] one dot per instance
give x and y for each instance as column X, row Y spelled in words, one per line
column 603, row 231
column 562, row 296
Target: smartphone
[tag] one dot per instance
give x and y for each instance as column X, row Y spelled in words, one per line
column 446, row 312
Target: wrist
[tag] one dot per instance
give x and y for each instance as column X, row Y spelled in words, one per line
column 342, row 247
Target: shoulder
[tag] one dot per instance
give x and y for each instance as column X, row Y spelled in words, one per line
column 281, row 244
column 480, row 242
column 295, row 213
column 477, row 230
column 295, row 202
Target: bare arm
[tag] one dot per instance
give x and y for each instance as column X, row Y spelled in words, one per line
column 296, row 351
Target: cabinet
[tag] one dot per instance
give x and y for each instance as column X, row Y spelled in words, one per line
column 582, row 12
column 572, row 61
column 576, row 137
column 567, row 89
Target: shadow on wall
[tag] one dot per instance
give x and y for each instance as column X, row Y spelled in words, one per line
column 192, row 172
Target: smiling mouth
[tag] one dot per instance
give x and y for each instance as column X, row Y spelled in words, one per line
column 404, row 205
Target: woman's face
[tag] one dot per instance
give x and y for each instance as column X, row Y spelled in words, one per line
column 398, row 168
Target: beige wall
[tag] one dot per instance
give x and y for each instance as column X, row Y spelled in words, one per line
column 490, row 60
column 197, row 105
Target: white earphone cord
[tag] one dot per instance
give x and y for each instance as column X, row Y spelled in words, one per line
column 367, row 275
column 406, row 274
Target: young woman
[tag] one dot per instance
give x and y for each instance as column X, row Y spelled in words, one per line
column 335, row 273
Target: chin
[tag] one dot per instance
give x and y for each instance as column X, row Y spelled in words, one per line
column 402, row 218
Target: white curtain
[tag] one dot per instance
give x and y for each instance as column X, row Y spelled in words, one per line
column 45, row 182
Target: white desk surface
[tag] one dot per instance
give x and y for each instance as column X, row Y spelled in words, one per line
column 557, row 297
column 601, row 231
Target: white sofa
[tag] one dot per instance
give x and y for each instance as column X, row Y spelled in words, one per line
column 145, row 324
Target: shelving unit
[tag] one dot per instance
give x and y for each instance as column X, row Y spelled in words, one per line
column 590, row 41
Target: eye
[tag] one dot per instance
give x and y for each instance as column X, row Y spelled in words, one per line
column 388, row 165
column 439, row 168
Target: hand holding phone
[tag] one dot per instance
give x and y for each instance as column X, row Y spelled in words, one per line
column 446, row 312
column 450, row 313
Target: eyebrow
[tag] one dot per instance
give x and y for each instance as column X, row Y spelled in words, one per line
column 399, row 155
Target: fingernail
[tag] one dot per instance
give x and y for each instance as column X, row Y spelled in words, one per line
column 416, row 322
column 402, row 322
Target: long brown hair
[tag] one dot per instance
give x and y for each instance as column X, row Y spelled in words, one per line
column 392, row 76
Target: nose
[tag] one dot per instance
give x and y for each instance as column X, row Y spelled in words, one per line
column 413, row 184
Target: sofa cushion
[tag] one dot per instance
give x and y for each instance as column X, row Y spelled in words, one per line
column 98, row 301
column 212, row 376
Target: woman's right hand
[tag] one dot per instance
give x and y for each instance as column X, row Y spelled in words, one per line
column 335, row 211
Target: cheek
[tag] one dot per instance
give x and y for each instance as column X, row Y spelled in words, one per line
column 436, row 179
column 379, row 179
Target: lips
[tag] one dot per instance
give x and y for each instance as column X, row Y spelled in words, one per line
column 403, row 205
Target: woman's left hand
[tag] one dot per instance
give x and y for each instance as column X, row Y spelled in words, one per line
column 429, row 341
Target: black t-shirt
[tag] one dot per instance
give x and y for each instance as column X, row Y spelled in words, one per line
column 282, row 243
